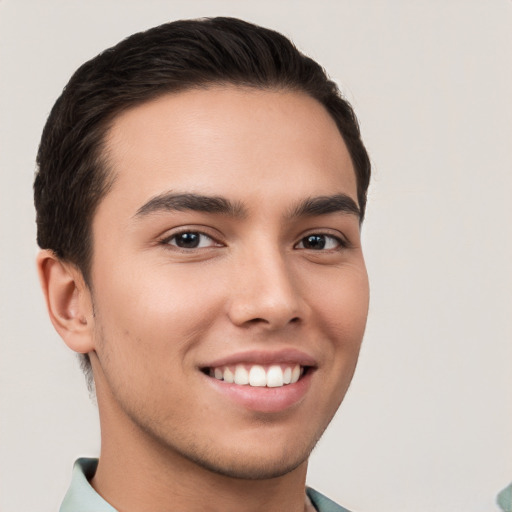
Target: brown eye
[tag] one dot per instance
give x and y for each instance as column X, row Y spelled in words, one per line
column 319, row 242
column 191, row 240
column 314, row 242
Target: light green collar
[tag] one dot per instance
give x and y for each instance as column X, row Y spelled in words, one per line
column 81, row 497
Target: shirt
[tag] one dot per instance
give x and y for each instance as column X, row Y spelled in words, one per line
column 81, row 497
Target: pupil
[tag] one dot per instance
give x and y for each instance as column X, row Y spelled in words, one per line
column 315, row 242
column 187, row 240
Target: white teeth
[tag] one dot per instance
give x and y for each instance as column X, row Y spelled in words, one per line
column 275, row 377
column 241, row 375
column 258, row 376
column 228, row 376
column 295, row 374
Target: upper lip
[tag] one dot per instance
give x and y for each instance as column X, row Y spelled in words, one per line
column 283, row 356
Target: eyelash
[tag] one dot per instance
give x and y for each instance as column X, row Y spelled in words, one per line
column 339, row 242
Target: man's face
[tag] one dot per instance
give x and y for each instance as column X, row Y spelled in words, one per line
column 218, row 256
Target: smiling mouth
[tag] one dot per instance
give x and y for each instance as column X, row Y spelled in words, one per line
column 256, row 375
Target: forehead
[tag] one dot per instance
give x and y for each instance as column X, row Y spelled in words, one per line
column 228, row 140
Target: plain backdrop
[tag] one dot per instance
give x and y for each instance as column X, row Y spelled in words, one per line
column 427, row 423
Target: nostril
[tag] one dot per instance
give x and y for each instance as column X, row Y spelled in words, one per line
column 253, row 321
column 257, row 321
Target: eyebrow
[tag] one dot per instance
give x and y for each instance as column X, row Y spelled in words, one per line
column 324, row 205
column 309, row 207
column 181, row 202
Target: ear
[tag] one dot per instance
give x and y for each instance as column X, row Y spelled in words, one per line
column 68, row 300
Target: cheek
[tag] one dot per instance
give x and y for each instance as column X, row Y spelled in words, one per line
column 156, row 310
column 342, row 308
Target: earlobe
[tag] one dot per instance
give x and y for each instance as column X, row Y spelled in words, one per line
column 68, row 301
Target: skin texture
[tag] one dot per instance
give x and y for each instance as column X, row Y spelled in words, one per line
column 158, row 313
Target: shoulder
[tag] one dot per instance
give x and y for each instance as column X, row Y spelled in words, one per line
column 323, row 503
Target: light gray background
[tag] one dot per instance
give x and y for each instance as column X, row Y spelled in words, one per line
column 427, row 423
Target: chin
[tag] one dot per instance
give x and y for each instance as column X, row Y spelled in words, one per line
column 242, row 467
column 266, row 457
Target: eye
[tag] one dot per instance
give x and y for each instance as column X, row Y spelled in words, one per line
column 319, row 242
column 190, row 240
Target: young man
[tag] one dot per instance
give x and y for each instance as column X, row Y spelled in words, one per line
column 199, row 198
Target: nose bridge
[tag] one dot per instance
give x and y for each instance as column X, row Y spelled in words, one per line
column 265, row 289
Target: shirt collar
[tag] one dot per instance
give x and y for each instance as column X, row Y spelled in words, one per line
column 81, row 497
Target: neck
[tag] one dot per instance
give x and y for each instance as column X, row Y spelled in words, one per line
column 137, row 473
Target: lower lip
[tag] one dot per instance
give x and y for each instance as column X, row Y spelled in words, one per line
column 263, row 399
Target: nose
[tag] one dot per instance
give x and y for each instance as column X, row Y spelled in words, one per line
column 266, row 292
